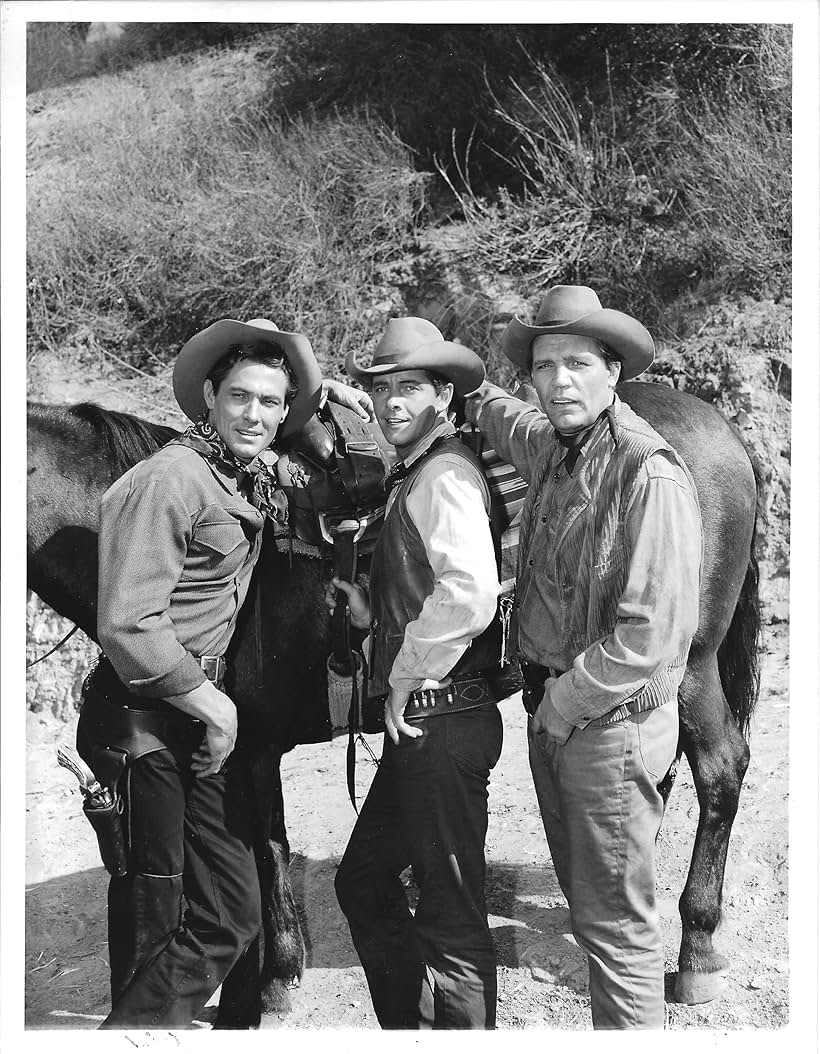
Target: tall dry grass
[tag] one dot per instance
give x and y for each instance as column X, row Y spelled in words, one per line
column 692, row 193
column 170, row 202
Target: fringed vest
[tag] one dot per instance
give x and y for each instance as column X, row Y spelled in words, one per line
column 593, row 554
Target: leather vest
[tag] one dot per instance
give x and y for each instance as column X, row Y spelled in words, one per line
column 401, row 579
column 593, row 551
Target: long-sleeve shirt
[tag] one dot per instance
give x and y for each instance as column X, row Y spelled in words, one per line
column 447, row 509
column 657, row 612
column 178, row 542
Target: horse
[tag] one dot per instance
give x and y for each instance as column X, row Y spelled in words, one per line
column 282, row 639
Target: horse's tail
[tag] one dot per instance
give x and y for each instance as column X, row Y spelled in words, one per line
column 739, row 654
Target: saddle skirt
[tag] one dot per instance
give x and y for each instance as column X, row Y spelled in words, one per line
column 332, row 476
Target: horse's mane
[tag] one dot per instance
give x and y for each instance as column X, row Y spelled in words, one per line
column 122, row 438
column 125, row 438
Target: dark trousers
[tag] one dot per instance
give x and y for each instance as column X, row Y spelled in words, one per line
column 427, row 807
column 190, row 903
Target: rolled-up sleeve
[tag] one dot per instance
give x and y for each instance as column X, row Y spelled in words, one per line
column 657, row 613
column 517, row 430
column 447, row 508
column 143, row 540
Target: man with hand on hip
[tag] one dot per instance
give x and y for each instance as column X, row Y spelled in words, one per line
column 607, row 601
column 179, row 537
column 432, row 642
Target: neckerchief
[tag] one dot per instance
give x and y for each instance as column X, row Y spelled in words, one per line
column 400, row 470
column 266, row 494
column 574, row 441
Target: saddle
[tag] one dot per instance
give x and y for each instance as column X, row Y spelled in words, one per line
column 333, row 477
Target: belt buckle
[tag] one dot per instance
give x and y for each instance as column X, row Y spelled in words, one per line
column 211, row 666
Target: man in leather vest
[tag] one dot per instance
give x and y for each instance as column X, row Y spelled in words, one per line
column 432, row 641
column 607, row 603
column 179, row 537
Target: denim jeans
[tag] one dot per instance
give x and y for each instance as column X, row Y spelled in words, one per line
column 189, row 904
column 599, row 800
column 427, row 807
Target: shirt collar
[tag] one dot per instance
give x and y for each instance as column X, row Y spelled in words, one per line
column 440, row 430
column 572, row 455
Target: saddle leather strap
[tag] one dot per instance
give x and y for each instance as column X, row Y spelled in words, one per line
column 359, row 458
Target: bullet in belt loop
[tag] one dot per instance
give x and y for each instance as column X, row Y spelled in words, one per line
column 450, row 699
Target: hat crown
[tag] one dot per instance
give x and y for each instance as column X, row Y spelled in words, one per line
column 402, row 336
column 565, row 303
column 264, row 323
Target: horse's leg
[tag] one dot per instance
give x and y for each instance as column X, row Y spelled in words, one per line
column 284, row 947
column 718, row 756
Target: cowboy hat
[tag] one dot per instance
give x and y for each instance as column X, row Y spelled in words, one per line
column 416, row 344
column 576, row 309
column 201, row 353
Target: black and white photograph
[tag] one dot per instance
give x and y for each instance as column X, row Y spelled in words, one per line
column 411, row 630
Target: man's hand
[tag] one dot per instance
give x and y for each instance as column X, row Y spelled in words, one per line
column 356, row 601
column 207, row 703
column 547, row 719
column 346, row 395
column 213, row 752
column 394, row 716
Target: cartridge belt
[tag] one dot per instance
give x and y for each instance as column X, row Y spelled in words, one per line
column 464, row 693
column 535, row 677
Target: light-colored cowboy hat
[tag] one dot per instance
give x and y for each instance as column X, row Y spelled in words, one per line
column 199, row 355
column 576, row 309
column 416, row 344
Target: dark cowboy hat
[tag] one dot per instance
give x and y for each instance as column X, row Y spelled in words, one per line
column 201, row 353
column 416, row 344
column 576, row 309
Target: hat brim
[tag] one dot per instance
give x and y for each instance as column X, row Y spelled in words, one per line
column 462, row 367
column 624, row 334
column 204, row 349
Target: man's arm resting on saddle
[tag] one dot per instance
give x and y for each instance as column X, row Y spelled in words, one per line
column 515, row 429
column 657, row 613
column 346, row 395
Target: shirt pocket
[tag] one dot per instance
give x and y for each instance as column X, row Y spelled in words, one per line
column 220, row 537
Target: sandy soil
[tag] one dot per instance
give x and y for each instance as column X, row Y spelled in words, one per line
column 542, row 975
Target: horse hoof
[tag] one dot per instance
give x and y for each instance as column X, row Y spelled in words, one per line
column 692, row 988
column 275, row 998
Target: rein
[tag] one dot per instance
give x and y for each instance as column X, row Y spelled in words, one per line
column 338, row 514
column 56, row 647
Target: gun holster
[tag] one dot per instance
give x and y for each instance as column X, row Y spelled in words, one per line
column 108, row 765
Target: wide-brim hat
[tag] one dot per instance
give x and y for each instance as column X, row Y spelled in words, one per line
column 576, row 309
column 199, row 355
column 416, row 344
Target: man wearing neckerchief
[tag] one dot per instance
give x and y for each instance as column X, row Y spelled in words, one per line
column 433, row 643
column 607, row 598
column 179, row 537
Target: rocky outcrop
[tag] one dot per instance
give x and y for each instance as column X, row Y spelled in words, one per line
column 53, row 686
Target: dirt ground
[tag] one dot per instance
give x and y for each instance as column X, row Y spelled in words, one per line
column 542, row 974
